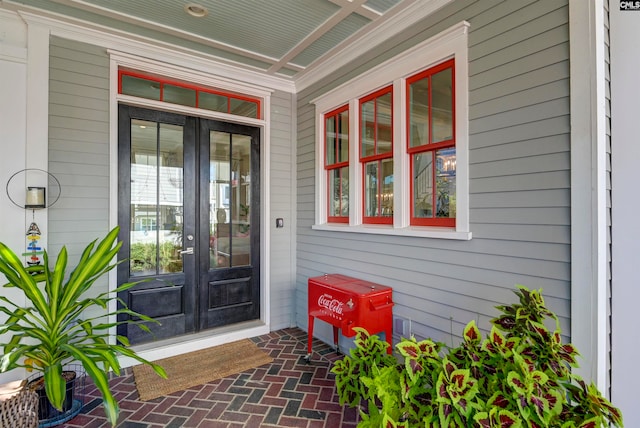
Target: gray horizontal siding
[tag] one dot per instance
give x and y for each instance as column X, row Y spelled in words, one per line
column 519, row 179
column 78, row 143
column 281, row 192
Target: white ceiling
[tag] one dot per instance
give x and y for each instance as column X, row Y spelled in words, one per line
column 282, row 38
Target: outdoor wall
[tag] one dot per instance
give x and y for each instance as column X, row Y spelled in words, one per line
column 79, row 158
column 282, row 194
column 519, row 169
column 78, row 144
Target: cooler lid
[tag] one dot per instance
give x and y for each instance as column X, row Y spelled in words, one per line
column 354, row 285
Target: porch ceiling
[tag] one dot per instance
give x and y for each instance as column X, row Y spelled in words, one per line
column 283, row 38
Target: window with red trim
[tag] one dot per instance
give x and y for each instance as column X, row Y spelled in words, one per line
column 177, row 92
column 376, row 156
column 336, row 137
column 431, row 145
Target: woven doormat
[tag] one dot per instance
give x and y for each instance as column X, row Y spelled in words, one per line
column 198, row 367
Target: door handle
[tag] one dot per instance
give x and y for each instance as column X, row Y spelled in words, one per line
column 189, row 250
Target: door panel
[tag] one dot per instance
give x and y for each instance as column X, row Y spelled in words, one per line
column 188, row 212
column 231, row 155
column 153, row 212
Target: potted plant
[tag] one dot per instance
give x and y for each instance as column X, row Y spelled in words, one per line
column 518, row 376
column 59, row 325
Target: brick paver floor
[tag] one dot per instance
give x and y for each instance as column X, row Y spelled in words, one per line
column 286, row 393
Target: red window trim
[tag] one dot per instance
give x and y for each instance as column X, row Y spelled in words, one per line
column 336, row 165
column 197, row 88
column 430, row 147
column 378, row 219
column 374, row 95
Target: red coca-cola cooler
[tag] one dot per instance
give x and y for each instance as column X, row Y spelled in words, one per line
column 346, row 302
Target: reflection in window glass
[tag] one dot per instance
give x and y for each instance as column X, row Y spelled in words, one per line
column 179, row 95
column 446, row 183
column 368, row 130
column 386, row 191
column 442, row 101
column 337, row 163
column 419, row 113
column 379, row 188
column 243, row 108
column 229, row 200
column 423, row 185
column 339, row 191
column 139, row 87
column 213, row 102
column 156, row 198
column 188, row 94
column 170, row 198
column 431, row 145
column 383, row 122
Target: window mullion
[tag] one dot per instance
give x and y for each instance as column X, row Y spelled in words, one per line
column 355, row 166
column 401, row 187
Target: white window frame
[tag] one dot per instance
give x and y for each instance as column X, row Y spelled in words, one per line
column 450, row 43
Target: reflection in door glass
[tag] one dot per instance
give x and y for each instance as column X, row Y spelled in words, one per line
column 156, row 198
column 229, row 199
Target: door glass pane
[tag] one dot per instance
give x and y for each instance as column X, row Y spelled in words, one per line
column 156, row 198
column 170, row 198
column 229, row 199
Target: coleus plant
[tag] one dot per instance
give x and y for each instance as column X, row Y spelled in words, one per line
column 518, row 376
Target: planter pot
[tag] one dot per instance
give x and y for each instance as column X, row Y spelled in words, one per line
column 45, row 409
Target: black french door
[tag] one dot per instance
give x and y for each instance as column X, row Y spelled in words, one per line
column 188, row 211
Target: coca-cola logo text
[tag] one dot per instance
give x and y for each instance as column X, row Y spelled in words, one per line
column 327, row 301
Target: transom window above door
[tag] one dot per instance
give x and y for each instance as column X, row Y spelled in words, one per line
column 151, row 87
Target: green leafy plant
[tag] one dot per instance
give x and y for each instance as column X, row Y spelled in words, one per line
column 518, row 376
column 50, row 331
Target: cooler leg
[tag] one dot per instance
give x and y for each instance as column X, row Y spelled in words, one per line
column 389, row 339
column 310, row 339
column 335, row 339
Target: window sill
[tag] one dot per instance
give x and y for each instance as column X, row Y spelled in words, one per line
column 414, row 231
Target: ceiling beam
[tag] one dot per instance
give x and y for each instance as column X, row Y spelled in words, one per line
column 346, row 9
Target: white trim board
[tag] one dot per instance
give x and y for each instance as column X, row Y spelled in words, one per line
column 588, row 189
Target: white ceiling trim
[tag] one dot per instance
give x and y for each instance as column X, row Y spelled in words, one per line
column 143, row 47
column 363, row 10
column 390, row 24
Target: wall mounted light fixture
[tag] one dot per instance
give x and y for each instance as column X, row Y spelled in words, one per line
column 35, row 196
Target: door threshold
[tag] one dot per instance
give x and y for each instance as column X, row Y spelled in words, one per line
column 153, row 351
